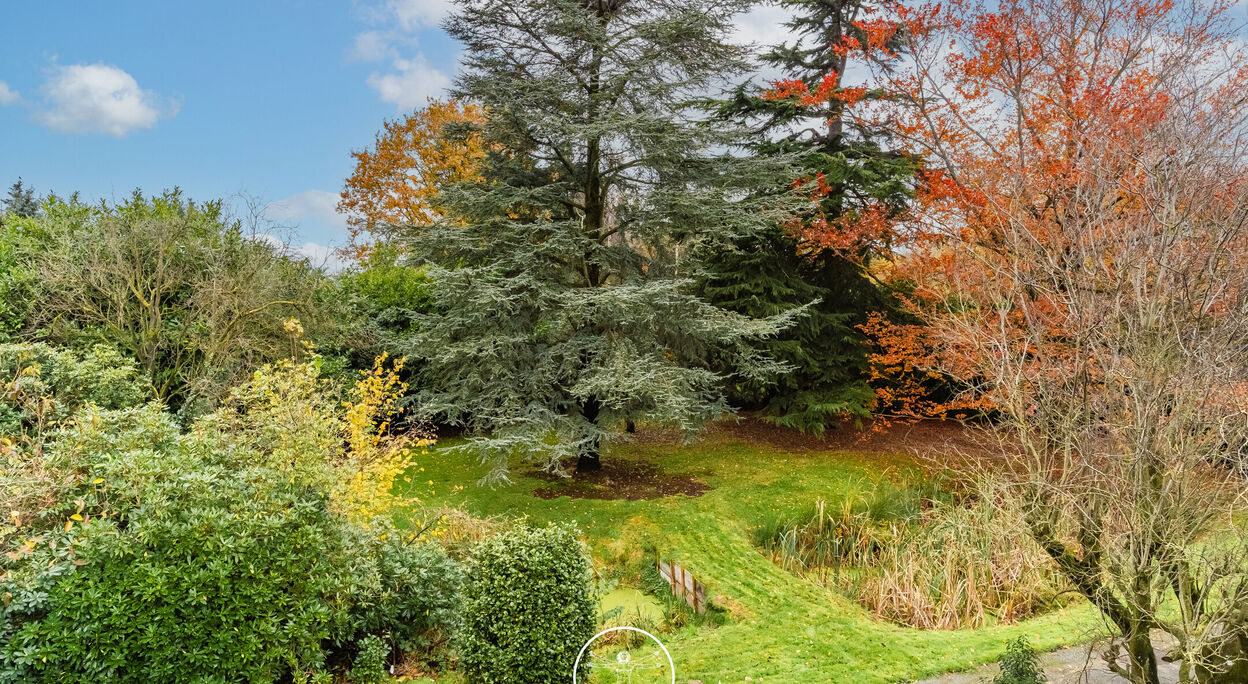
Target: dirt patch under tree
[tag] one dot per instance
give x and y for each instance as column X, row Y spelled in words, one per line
column 620, row 479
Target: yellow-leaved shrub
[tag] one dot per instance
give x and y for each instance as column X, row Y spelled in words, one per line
column 376, row 456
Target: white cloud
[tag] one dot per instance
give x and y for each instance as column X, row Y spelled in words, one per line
column 314, row 205
column 411, row 83
column 99, row 98
column 372, row 46
column 762, row 26
column 314, row 253
column 405, row 82
column 8, row 96
column 417, row 14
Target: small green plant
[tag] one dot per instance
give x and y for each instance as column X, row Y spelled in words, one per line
column 1019, row 664
column 370, row 662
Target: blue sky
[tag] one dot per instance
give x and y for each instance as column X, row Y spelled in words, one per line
column 265, row 99
column 232, row 98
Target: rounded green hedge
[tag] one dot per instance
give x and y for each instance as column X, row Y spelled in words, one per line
column 529, row 607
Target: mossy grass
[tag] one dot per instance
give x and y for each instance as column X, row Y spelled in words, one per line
column 777, row 626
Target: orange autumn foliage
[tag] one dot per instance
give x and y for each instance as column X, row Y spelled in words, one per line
column 905, row 372
column 857, row 202
column 1027, row 110
column 1088, row 270
column 1046, row 126
column 397, row 180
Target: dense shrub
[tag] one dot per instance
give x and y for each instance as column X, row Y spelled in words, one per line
column 183, row 563
column 42, row 385
column 383, row 283
column 189, row 292
column 380, row 300
column 414, row 598
column 139, row 552
column 529, row 606
column 16, row 281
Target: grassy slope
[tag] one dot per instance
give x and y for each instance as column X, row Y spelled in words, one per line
column 786, row 629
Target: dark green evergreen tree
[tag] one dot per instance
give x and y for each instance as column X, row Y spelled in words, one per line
column 826, row 384
column 855, row 183
column 564, row 301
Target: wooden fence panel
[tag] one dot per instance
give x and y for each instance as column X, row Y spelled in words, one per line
column 683, row 584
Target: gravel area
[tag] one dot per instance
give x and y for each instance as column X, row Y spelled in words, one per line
column 1065, row 666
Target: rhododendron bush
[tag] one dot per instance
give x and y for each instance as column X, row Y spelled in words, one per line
column 258, row 543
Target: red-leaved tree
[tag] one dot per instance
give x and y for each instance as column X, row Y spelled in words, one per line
column 1081, row 255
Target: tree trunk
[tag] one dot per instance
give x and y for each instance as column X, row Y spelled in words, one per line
column 588, row 461
column 1143, row 659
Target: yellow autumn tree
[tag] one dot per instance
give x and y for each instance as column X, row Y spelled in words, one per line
column 396, row 180
column 376, row 458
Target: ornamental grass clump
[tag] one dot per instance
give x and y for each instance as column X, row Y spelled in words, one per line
column 924, row 559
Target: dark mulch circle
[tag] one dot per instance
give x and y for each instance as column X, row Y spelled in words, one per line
column 619, row 479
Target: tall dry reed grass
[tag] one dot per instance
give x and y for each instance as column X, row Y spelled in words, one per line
column 920, row 557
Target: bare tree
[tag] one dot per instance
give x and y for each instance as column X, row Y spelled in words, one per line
column 1091, row 210
column 179, row 286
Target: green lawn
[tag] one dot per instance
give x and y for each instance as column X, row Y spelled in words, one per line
column 783, row 628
